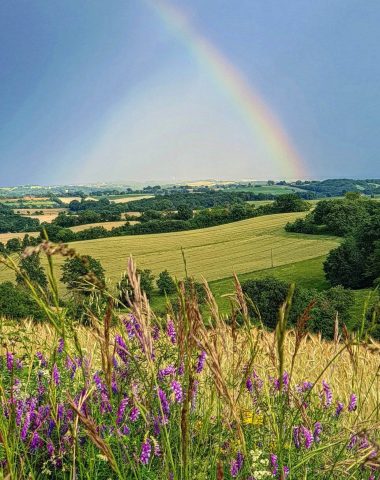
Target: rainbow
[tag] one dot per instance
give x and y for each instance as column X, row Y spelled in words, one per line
column 251, row 107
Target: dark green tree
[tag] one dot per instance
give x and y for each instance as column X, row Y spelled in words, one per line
column 345, row 265
column 289, row 202
column 184, row 212
column 165, row 283
column 17, row 303
column 31, row 267
column 125, row 289
column 79, row 273
column 14, row 245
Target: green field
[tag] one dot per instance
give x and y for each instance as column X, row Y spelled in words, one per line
column 214, row 253
column 267, row 189
column 247, row 247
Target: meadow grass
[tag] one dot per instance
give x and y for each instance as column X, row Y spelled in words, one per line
column 127, row 198
column 106, row 225
column 215, row 252
column 140, row 397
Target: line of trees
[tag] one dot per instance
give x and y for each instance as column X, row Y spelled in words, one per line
column 11, row 222
column 356, row 262
column 323, row 308
column 153, row 221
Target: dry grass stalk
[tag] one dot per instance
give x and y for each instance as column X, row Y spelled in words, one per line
column 92, row 431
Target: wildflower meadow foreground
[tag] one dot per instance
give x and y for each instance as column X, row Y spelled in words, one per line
column 189, row 396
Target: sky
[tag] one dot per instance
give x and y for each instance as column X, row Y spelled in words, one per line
column 139, row 90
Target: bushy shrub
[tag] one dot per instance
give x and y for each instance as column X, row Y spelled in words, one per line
column 79, row 273
column 268, row 294
column 17, row 303
column 165, row 283
column 31, row 267
column 125, row 289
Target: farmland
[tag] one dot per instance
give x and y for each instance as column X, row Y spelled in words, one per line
column 106, row 225
column 48, row 214
column 212, row 252
column 127, row 198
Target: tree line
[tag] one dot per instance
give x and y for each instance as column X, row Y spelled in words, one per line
column 356, row 262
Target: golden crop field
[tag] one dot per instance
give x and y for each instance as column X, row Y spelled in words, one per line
column 214, row 252
column 49, row 214
column 106, row 225
column 129, row 198
column 67, row 200
column 4, row 237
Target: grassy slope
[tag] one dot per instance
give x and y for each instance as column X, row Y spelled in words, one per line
column 214, row 252
column 306, row 274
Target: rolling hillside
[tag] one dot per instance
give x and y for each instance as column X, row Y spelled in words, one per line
column 216, row 252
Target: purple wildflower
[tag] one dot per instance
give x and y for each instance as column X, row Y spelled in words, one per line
column 132, row 326
column 194, row 393
column 61, row 345
column 156, row 426
column 105, row 405
column 258, row 382
column 305, row 386
column 328, row 393
column 156, row 332
column 114, row 386
column 286, row 471
column 317, row 431
column 353, row 441
column 339, row 409
column 145, row 452
column 181, row 369
column 99, row 384
column 50, row 448
column 165, row 372
column 296, row 437
column 25, row 427
column 19, row 412
column 201, row 361
column 35, row 441
column 177, row 390
column 71, row 365
column 125, row 430
column 249, row 384
column 56, row 376
column 9, row 357
column 308, row 436
column 302, row 435
column 273, row 463
column 41, row 358
column 364, row 443
column 134, row 414
column 234, row 469
column 60, row 411
column 352, row 403
column 121, row 348
column 236, row 465
column 164, row 402
column 170, row 330
column 121, row 410
column 285, row 382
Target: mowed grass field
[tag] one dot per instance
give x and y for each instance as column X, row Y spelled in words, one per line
column 49, row 214
column 4, row 237
column 106, row 225
column 215, row 252
column 127, row 198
